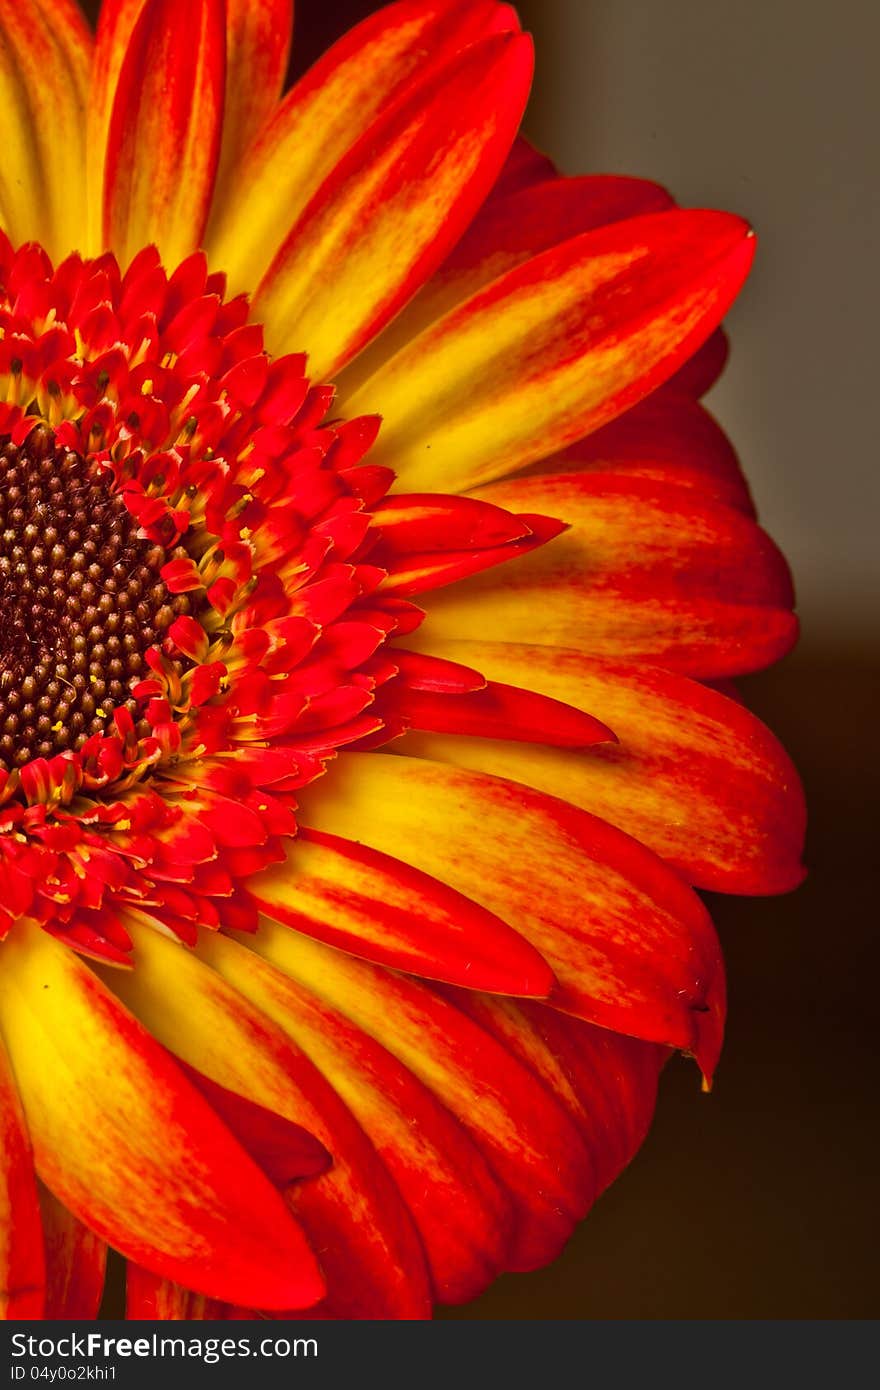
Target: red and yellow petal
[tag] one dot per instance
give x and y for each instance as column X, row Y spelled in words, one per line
column 166, row 118
column 528, row 1142
column 647, row 571
column 377, row 907
column 693, row 774
column 394, row 206
column 463, row 1215
column 45, row 52
column 508, row 230
column 631, row 947
column 606, row 1082
column 670, row 438
column 116, row 20
column 258, row 34
column 181, row 1198
column 559, row 346
column 379, row 62
column 231, row 1027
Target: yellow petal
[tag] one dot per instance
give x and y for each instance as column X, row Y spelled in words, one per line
column 257, row 49
column 45, row 52
column 129, row 1146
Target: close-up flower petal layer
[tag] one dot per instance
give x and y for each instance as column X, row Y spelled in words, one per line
column 362, row 746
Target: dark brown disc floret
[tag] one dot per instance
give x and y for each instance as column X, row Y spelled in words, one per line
column 81, row 599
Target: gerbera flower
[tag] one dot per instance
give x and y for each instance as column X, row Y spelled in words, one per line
column 362, row 748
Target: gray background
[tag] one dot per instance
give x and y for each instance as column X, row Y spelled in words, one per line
column 769, row 109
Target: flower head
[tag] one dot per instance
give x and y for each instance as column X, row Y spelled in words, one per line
column 361, row 747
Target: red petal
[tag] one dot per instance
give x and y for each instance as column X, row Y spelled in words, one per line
column 76, row 1261
column 499, row 712
column 167, row 116
column 418, row 572
column 377, row 907
column 524, row 166
column 700, row 372
column 426, row 521
column 22, row 1268
column 283, row 1150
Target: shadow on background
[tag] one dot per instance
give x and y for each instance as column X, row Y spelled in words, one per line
column 760, row 1201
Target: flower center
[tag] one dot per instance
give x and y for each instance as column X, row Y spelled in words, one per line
column 81, row 599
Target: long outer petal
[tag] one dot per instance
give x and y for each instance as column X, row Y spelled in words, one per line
column 646, row 571
column 529, row 1142
column 632, row 947
column 257, row 50
column 383, row 910
column 352, row 1214
column 693, row 775
column 22, row 1267
column 506, row 232
column 116, row 20
column 669, row 437
column 125, row 1142
column 45, row 52
column 606, row 1082
column 327, row 112
column 463, row 1216
column 76, row 1261
column 391, row 210
column 555, row 348
column 163, row 141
